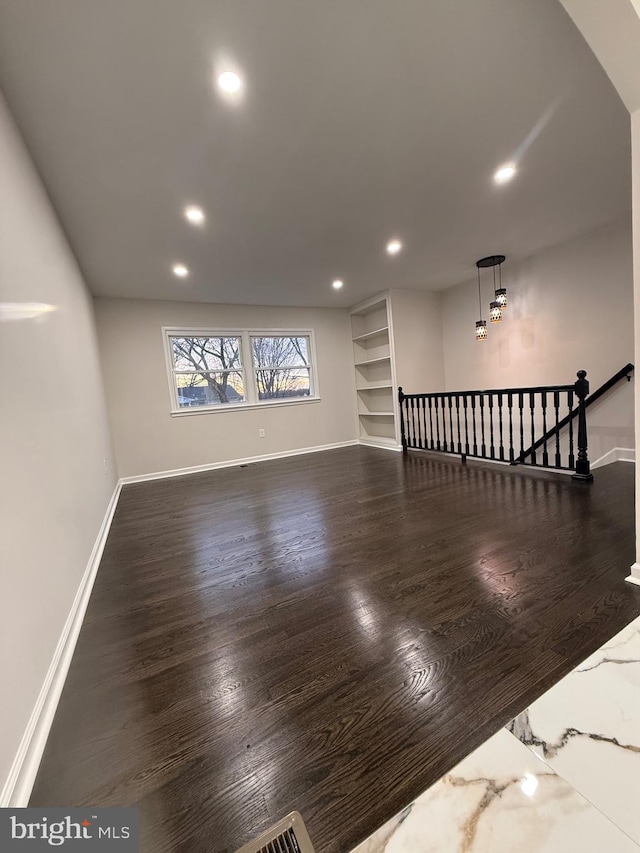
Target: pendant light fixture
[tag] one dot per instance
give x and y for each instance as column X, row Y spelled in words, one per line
column 481, row 325
column 495, row 311
column 500, row 294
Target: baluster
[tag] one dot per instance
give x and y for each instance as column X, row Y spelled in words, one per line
column 423, row 442
column 451, row 446
column 500, row 422
column 521, row 407
column 473, row 415
column 424, row 421
column 556, row 406
column 532, row 404
column 510, row 407
column 466, row 426
column 407, row 403
column 427, row 411
column 545, row 454
column 435, row 403
column 572, row 460
column 431, row 421
column 426, row 425
column 403, row 437
column 445, row 443
column 445, row 422
column 492, row 447
column 458, row 421
column 583, row 469
column 484, row 445
column 418, row 434
column 410, row 430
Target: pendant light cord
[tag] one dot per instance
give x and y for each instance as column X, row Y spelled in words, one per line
column 479, row 295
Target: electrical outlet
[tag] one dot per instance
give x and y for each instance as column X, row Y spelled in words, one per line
column 261, row 433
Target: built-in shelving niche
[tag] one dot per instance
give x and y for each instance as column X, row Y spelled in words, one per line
column 373, row 362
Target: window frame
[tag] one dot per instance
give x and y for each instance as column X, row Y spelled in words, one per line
column 247, row 367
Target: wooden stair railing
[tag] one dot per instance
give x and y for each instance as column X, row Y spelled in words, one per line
column 516, row 425
column 624, row 372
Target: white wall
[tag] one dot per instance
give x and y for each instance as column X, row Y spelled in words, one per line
column 635, row 148
column 148, row 439
column 570, row 308
column 417, row 332
column 55, row 438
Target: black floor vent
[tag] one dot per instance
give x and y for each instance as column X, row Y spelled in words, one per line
column 289, row 835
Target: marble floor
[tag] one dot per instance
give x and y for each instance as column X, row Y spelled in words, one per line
column 564, row 775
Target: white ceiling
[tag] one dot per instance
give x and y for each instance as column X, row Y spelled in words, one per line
column 361, row 120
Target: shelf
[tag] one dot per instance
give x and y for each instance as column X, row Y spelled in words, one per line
column 373, row 334
column 375, row 386
column 377, row 304
column 375, row 414
column 373, row 361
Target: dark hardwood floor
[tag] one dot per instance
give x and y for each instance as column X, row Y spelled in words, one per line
column 329, row 633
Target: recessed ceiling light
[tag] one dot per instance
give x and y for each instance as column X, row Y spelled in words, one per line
column 337, row 284
column 180, row 270
column 229, row 82
column 194, row 214
column 393, row 247
column 504, row 173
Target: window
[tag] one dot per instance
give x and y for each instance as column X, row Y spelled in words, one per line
column 217, row 370
column 207, row 371
column 281, row 366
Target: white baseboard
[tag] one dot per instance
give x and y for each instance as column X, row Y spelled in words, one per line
column 616, row 454
column 18, row 786
column 634, row 577
column 382, row 445
column 232, row 463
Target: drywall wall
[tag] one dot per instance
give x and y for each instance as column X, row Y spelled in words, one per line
column 635, row 137
column 149, row 439
column 417, row 336
column 570, row 308
column 612, row 31
column 58, row 471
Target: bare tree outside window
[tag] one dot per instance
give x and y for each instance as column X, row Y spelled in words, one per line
column 208, row 371
column 281, row 366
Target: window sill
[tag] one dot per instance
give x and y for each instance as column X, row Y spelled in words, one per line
column 235, row 407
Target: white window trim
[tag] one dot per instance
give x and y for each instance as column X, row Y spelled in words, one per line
column 248, row 368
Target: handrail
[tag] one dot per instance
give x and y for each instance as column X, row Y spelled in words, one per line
column 622, row 373
column 476, row 392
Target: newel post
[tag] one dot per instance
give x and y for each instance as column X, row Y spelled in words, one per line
column 583, row 471
column 403, row 437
